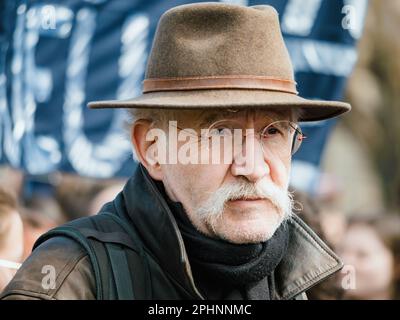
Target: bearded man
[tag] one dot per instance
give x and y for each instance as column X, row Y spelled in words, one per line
column 207, row 213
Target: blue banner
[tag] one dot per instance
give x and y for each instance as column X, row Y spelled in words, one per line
column 55, row 56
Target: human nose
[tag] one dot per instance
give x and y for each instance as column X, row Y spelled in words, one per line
column 249, row 160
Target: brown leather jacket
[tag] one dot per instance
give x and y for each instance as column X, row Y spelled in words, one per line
column 308, row 260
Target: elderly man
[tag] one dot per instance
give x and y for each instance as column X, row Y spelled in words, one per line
column 207, row 213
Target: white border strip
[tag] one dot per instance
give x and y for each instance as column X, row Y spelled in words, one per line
column 9, row 264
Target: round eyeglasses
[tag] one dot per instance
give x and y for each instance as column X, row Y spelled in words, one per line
column 281, row 137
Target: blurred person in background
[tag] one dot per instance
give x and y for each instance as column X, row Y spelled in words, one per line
column 334, row 224
column 39, row 210
column 371, row 245
column 80, row 196
column 11, row 237
column 329, row 229
column 106, row 195
column 35, row 224
column 12, row 178
column 71, row 197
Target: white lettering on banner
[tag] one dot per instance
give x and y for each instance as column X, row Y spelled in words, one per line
column 104, row 158
column 299, row 16
column 43, row 151
column 30, row 84
column 322, row 57
column 11, row 148
column 132, row 62
column 13, row 125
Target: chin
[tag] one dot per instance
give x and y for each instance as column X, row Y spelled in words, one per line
column 248, row 229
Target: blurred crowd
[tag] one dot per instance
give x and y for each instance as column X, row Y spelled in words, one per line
column 54, row 200
column 368, row 243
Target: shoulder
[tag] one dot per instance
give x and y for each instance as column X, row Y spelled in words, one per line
column 58, row 269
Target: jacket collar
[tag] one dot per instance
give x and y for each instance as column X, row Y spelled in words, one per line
column 308, row 259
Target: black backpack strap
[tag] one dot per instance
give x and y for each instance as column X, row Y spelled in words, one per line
column 121, row 272
column 113, row 243
column 140, row 261
column 105, row 270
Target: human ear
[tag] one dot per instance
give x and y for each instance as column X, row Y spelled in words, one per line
column 146, row 147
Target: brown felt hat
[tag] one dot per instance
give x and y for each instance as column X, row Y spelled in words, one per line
column 215, row 55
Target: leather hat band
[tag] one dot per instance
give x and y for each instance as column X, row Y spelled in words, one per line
column 219, row 82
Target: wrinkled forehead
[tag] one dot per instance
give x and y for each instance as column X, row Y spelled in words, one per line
column 207, row 117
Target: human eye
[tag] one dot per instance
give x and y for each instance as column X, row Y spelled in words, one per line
column 278, row 129
column 273, row 130
column 223, row 129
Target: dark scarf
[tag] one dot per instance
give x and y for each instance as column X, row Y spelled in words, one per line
column 220, row 264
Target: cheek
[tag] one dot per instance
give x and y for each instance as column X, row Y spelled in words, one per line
column 208, row 178
column 176, row 187
column 380, row 266
column 193, row 183
column 279, row 169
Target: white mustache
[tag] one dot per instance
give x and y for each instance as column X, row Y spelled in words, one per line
column 244, row 189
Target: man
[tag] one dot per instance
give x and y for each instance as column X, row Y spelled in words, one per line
column 214, row 132
column 11, row 237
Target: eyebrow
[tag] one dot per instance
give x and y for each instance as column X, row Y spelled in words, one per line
column 214, row 116
column 209, row 118
column 276, row 115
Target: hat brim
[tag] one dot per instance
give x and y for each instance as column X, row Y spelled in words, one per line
column 312, row 110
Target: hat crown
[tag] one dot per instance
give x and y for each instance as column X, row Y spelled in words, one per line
column 215, row 39
column 217, row 55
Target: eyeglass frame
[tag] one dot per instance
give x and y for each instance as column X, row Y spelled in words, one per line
column 294, row 125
